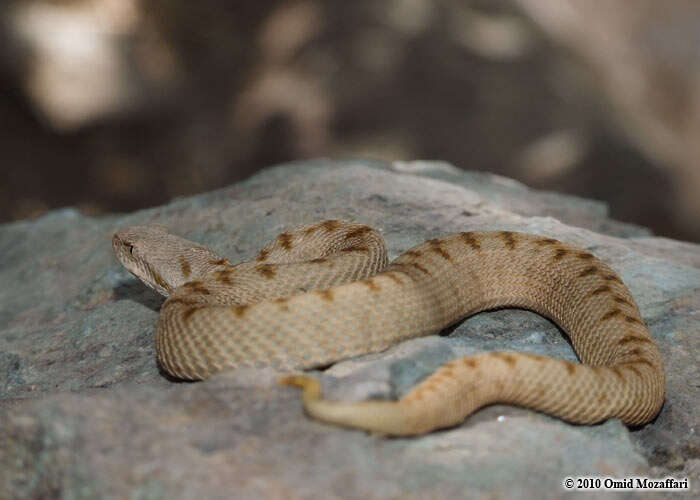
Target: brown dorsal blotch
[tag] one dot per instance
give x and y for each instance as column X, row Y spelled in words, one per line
column 266, row 270
column 629, row 339
column 263, row 255
column 394, row 277
column 326, row 295
column 240, row 310
column 599, row 290
column 570, row 367
column 610, row 314
column 224, row 276
column 588, row 271
column 421, row 268
column 330, row 225
column 508, row 238
column 185, row 267
column 414, row 253
column 621, row 300
column 282, row 301
column 197, row 287
column 612, row 277
column 285, row 240
column 356, row 248
column 356, row 233
column 187, row 314
column 371, row 284
column 632, row 319
column 560, row 253
column 509, row 359
column 471, row 239
column 438, row 249
column 470, row 362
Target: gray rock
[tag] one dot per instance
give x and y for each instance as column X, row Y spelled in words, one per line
column 85, row 413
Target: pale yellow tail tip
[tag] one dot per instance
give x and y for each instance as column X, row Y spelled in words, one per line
column 310, row 387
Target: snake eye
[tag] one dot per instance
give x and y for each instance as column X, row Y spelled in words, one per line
column 131, row 249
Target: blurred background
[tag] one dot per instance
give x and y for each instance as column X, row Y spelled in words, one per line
column 114, row 105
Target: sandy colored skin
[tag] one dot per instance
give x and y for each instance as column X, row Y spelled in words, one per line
column 324, row 292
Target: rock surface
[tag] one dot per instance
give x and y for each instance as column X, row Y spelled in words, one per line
column 85, row 413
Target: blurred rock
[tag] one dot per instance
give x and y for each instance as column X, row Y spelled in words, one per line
column 113, row 105
column 82, row 59
column 648, row 64
column 85, row 412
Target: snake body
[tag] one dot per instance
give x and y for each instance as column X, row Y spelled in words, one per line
column 325, row 292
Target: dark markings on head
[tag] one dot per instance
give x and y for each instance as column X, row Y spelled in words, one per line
column 285, row 240
column 560, row 254
column 240, row 310
column 632, row 319
column 599, row 290
column 394, row 277
column 621, row 300
column 197, row 287
column 470, row 362
column 185, row 267
column 371, row 284
column 356, row 248
column 319, row 260
column 187, row 314
column 159, row 279
column 509, row 359
column 325, row 294
column 442, row 253
column 262, row 255
column 508, row 238
column 547, row 241
column 356, row 233
column 267, row 270
column 610, row 314
column 435, row 242
column 612, row 277
column 628, row 339
column 180, row 300
column 588, row 271
column 471, row 240
column 413, row 253
column 218, row 262
column 585, row 256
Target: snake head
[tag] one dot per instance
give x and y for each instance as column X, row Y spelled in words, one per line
column 160, row 259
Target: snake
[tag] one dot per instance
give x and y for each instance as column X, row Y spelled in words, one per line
column 325, row 292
